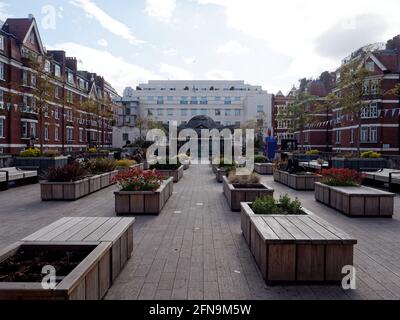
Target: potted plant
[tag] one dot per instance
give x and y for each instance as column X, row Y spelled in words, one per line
column 222, row 168
column 168, row 169
column 243, row 188
column 34, row 158
column 141, row 192
column 341, row 189
column 262, row 165
column 124, row 164
column 368, row 161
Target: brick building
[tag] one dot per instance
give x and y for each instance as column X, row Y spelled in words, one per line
column 64, row 124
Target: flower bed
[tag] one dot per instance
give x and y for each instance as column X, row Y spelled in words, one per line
column 341, row 189
column 243, row 190
column 142, row 192
column 297, row 181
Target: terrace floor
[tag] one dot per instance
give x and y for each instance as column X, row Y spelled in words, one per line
column 195, row 250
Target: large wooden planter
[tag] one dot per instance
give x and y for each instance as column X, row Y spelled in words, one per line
column 356, row 201
column 143, row 202
column 264, row 168
column 359, row 164
column 235, row 194
column 303, row 182
column 41, row 163
column 176, row 174
column 70, row 191
column 301, row 248
column 90, row 280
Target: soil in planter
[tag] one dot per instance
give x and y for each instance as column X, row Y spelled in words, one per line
column 301, row 213
column 248, row 186
column 26, row 265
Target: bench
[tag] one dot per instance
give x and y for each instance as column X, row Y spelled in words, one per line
column 17, row 176
column 302, row 248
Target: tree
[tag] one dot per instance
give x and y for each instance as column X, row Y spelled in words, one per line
column 42, row 90
column 353, row 85
column 297, row 113
column 90, row 107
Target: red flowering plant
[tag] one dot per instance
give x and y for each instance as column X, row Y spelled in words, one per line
column 341, row 177
column 138, row 180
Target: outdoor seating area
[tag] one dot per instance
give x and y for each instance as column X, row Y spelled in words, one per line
column 16, row 176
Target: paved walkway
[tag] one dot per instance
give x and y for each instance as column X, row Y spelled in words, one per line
column 195, row 250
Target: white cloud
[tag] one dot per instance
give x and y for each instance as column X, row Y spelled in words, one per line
column 233, row 47
column 190, row 60
column 106, row 21
column 161, row 9
column 219, row 75
column 118, row 72
column 303, row 24
column 175, row 73
column 4, row 12
column 102, row 43
column 171, row 52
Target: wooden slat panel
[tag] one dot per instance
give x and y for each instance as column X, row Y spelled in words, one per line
column 75, row 229
column 102, row 230
column 104, row 274
column 85, row 232
column 92, row 284
column 79, row 292
column 341, row 234
column 281, row 262
column 120, row 227
column 310, row 262
column 59, row 230
column 47, row 229
column 278, row 229
column 116, row 259
column 292, row 229
column 320, row 229
column 266, row 231
column 311, row 233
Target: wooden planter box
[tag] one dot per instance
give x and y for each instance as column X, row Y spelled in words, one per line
column 69, row 191
column 176, row 174
column 235, row 194
column 143, row 202
column 263, row 168
column 359, row 164
column 295, row 181
column 135, row 166
column 90, row 280
column 41, row 163
column 356, row 201
column 302, row 248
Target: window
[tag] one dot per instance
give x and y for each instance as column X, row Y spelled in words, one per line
column 352, row 136
column 227, row 112
column 217, row 98
column 1, row 127
column 237, row 99
column 70, row 77
column 364, row 134
column 184, row 100
column 339, row 117
column 160, row 112
column 338, row 136
column 47, row 66
column 57, row 92
column 56, row 114
column 193, row 112
column 57, row 71
column 218, row 112
column 150, row 112
column 260, row 109
column 33, row 129
column 33, row 80
column 2, row 71
column 170, row 99
column 125, row 137
column 1, row 98
column 370, row 111
column 24, row 129
column 193, row 100
column 237, row 113
column 170, row 112
column 184, row 112
column 46, row 132
column 370, row 66
column 56, row 133
column 150, row 98
column 228, row 100
column 373, row 134
column 160, row 100
column 203, row 100
column 203, row 112
column 70, row 97
column 80, row 134
column 70, row 134
column 2, row 43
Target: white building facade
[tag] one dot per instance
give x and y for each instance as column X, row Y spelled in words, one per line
column 229, row 103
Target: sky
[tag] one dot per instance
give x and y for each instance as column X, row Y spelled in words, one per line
column 268, row 43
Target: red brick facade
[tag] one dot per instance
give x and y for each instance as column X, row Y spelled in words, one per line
column 64, row 126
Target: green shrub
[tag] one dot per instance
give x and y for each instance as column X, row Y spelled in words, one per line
column 370, row 155
column 70, row 172
column 164, row 164
column 100, row 165
column 260, row 159
column 244, row 179
column 92, row 150
column 269, row 206
column 31, row 153
column 312, row 152
column 51, row 153
column 125, row 163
